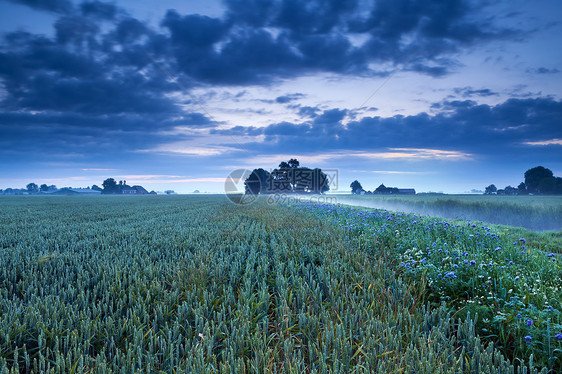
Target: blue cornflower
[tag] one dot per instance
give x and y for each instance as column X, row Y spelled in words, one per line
column 528, row 338
column 472, row 262
column 497, row 249
column 516, row 278
column 529, row 322
column 519, row 315
column 550, row 255
column 522, row 240
column 466, row 261
column 558, row 336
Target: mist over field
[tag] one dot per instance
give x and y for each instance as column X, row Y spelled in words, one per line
column 532, row 212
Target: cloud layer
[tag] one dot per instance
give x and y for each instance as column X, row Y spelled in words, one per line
column 106, row 82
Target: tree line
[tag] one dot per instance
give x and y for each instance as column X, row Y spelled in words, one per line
column 110, row 186
column 538, row 181
column 289, row 177
column 357, row 189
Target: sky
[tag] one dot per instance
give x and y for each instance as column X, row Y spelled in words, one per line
column 443, row 96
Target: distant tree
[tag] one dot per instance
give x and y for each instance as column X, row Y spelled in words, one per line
column 490, row 190
column 537, row 175
column 508, row 190
column 293, row 163
column 257, row 182
column 547, row 186
column 558, row 184
column 290, row 177
column 522, row 189
column 32, row 188
column 110, row 186
column 356, row 187
column 95, row 187
column 320, row 182
column 280, row 179
column 44, row 188
column 170, row 192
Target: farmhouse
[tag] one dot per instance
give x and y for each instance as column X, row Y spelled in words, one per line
column 406, row 191
column 135, row 190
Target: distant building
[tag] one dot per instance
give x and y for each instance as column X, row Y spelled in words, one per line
column 73, row 191
column 406, row 191
column 135, row 190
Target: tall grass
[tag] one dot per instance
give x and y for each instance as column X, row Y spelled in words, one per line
column 531, row 212
column 513, row 286
column 197, row 284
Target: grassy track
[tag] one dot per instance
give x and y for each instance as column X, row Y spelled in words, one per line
column 197, row 284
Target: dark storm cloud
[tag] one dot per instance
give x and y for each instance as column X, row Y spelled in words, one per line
column 288, row 98
column 308, row 111
column 98, row 9
column 57, row 6
column 499, row 131
column 543, row 70
column 470, row 92
column 105, row 71
column 258, row 41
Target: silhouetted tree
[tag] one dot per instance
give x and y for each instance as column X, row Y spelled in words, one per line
column 320, row 182
column 522, row 189
column 32, row 188
column 490, row 190
column 558, row 185
column 289, row 177
column 547, row 186
column 110, row 186
column 293, row 163
column 356, row 187
column 44, row 188
column 508, row 190
column 95, row 187
column 257, row 182
column 535, row 176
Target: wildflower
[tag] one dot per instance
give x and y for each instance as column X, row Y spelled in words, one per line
column 466, row 261
column 528, row 338
column 516, row 278
column 522, row 240
column 497, row 249
column 558, row 336
column 529, row 322
column 550, row 254
column 472, row 262
column 519, row 315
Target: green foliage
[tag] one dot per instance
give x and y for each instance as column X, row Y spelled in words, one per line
column 513, row 286
column 197, row 284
